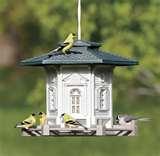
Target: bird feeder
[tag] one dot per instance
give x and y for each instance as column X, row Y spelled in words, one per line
column 80, row 83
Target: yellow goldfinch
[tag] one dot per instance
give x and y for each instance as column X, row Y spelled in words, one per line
column 70, row 121
column 42, row 118
column 28, row 122
column 68, row 42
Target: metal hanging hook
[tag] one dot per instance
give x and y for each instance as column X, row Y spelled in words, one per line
column 79, row 19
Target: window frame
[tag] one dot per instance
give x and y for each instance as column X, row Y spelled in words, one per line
column 75, row 98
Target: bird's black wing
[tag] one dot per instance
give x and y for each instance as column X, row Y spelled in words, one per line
column 130, row 118
column 72, row 122
column 26, row 122
column 76, row 123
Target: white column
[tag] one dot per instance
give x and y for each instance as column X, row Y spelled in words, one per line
column 60, row 96
column 92, row 96
column 47, row 95
column 111, row 100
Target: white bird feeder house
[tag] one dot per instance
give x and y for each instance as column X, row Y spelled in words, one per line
column 80, row 83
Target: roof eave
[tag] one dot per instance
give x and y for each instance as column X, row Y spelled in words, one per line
column 25, row 63
column 106, row 62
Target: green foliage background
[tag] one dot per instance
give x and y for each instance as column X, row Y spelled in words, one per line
column 129, row 28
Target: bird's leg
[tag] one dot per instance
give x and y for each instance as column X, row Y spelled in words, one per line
column 66, row 125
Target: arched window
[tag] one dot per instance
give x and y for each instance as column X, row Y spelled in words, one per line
column 75, row 100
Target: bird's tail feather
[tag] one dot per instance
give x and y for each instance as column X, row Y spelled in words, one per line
column 21, row 124
column 18, row 126
column 55, row 50
column 144, row 119
column 82, row 125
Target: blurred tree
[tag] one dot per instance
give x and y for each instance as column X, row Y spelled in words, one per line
column 126, row 27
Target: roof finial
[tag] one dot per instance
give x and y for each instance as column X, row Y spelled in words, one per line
column 79, row 19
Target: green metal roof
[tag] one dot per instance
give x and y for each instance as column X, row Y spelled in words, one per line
column 82, row 52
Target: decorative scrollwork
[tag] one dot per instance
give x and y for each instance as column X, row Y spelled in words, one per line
column 52, row 98
column 103, row 98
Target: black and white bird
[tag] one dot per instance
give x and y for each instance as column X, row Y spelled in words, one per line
column 123, row 119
